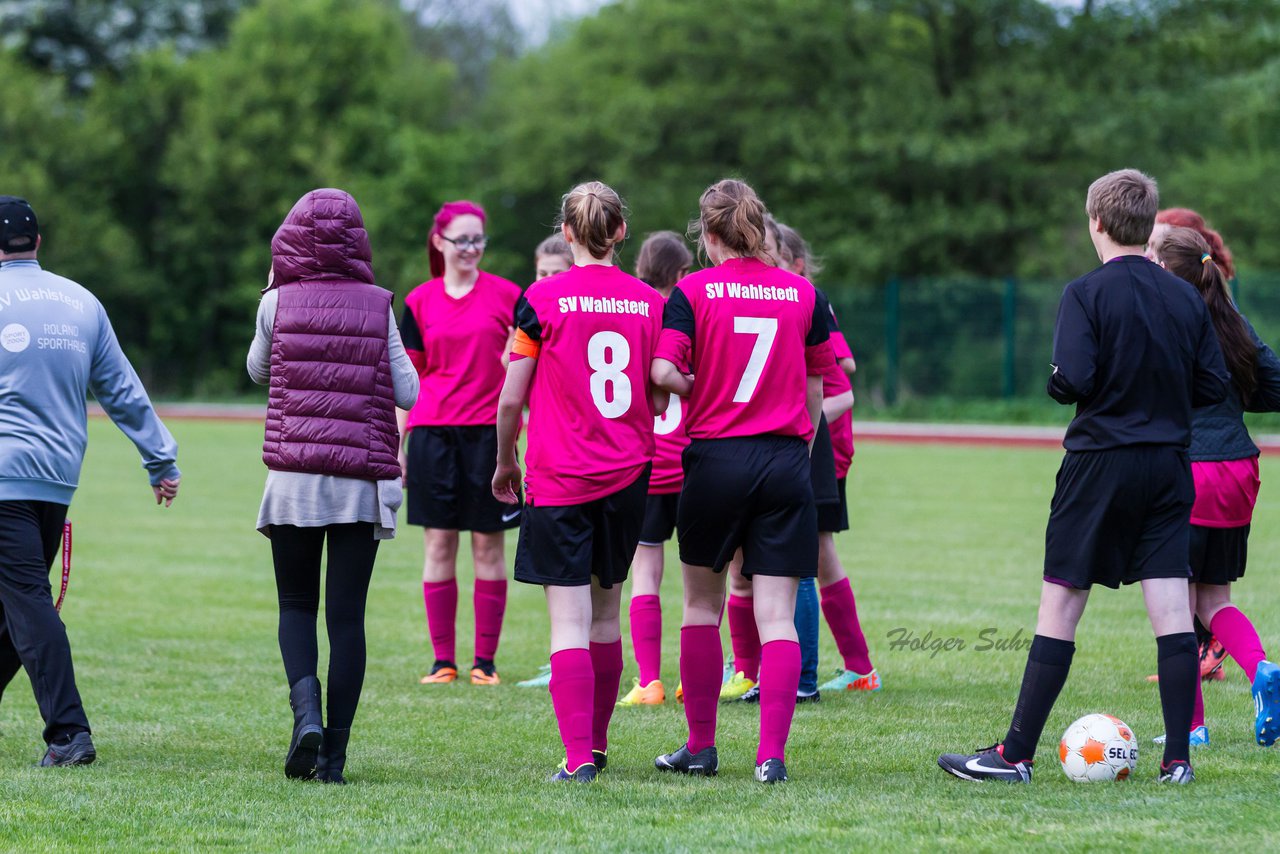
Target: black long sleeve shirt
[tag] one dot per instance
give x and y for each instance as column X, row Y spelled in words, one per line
column 1134, row 350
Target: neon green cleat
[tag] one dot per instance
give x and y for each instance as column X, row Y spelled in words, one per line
column 542, row 680
column 847, row 680
column 737, row 685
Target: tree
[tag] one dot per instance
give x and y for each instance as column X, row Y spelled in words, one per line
column 306, row 93
column 79, row 40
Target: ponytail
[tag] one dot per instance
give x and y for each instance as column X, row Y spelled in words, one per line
column 733, row 212
column 1189, row 256
column 594, row 212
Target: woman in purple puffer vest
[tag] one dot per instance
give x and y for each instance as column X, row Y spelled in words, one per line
column 328, row 345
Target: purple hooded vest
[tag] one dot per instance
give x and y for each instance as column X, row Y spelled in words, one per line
column 331, row 408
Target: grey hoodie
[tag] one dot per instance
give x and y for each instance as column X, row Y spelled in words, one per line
column 56, row 343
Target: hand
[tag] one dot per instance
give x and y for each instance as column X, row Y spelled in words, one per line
column 166, row 491
column 506, row 483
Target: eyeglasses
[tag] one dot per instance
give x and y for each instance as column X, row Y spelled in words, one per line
column 475, row 241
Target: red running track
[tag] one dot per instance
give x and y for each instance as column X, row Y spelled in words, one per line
column 972, row 435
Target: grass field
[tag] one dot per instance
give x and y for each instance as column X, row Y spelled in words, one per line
column 172, row 620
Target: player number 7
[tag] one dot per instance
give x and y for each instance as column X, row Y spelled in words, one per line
column 765, row 329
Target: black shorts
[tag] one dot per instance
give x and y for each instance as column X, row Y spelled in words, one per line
column 1120, row 516
column 822, row 467
column 659, row 518
column 1218, row 555
column 834, row 518
column 449, row 482
column 755, row 492
column 564, row 546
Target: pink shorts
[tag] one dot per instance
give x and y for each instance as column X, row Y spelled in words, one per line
column 1225, row 493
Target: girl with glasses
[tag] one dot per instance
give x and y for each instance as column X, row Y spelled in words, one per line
column 457, row 328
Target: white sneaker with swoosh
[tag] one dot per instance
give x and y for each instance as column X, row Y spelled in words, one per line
column 987, row 764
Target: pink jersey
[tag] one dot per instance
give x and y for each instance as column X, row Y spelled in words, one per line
column 838, row 342
column 669, row 442
column 834, row 383
column 593, row 330
column 457, row 346
column 752, row 334
column 1225, row 493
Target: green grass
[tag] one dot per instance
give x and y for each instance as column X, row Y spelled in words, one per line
column 172, row 620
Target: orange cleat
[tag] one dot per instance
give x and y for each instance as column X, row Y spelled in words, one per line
column 484, row 673
column 652, row 694
column 1212, row 656
column 441, row 672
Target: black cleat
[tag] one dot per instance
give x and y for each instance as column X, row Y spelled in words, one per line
column 1177, row 772
column 808, row 698
column 752, row 695
column 77, row 751
column 771, row 771
column 585, row 773
column 704, row 763
column 987, row 764
column 601, row 758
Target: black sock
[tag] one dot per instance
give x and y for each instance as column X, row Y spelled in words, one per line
column 1048, row 664
column 1202, row 633
column 1179, row 668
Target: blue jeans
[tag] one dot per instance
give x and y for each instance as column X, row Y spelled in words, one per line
column 807, row 628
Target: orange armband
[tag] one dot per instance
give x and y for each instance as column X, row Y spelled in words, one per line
column 525, row 346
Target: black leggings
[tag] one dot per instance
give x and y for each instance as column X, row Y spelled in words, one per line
column 296, row 554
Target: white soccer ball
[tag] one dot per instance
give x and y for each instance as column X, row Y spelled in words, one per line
column 1097, row 748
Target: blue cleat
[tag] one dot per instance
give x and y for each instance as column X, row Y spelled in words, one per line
column 1199, row 737
column 1266, row 701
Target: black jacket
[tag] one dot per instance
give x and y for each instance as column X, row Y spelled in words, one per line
column 1135, row 350
column 1218, row 431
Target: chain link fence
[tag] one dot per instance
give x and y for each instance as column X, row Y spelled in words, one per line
column 978, row 339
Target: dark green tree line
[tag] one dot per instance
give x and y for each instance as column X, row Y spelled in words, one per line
column 909, row 137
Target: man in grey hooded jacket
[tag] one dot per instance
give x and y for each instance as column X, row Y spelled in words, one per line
column 56, row 343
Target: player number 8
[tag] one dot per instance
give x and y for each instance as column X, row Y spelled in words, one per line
column 608, row 354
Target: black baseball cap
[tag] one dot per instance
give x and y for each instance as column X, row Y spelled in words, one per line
column 18, row 226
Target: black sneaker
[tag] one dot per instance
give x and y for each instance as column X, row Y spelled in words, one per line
column 751, row 696
column 1178, row 773
column 585, row 773
column 601, row 757
column 78, row 750
column 704, row 763
column 771, row 771
column 987, row 764
column 808, row 698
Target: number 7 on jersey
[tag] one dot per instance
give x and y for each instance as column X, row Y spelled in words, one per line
column 765, row 329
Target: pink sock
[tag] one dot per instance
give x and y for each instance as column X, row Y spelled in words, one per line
column 490, row 605
column 441, row 599
column 744, row 637
column 779, row 680
column 841, row 611
column 572, row 689
column 1197, row 711
column 701, row 660
column 1239, row 638
column 606, row 662
column 646, row 636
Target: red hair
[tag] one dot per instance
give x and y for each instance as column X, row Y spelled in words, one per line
column 448, row 211
column 1187, row 218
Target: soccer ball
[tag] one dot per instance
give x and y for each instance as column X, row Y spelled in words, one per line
column 1096, row 748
